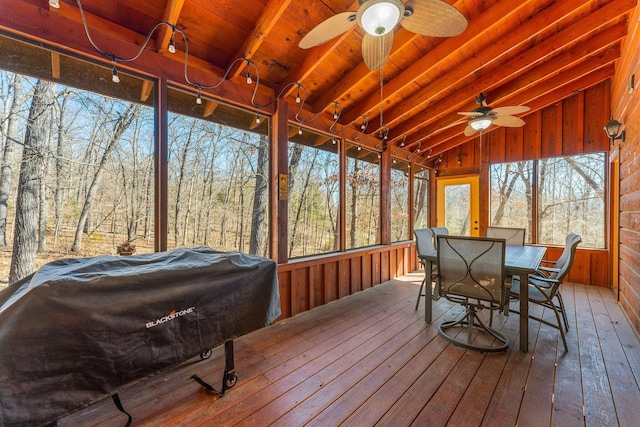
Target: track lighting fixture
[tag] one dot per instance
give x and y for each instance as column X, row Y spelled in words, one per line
column 249, row 79
column 198, row 99
column 299, row 130
column 257, row 118
column 54, row 3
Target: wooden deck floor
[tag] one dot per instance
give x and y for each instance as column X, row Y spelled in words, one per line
column 370, row 359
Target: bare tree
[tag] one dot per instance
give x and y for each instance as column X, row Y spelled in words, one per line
column 23, row 261
column 121, row 125
column 10, row 131
column 259, row 198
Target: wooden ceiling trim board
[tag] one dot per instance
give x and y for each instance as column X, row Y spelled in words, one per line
column 539, row 103
column 496, row 52
column 171, row 15
column 437, row 113
column 313, row 59
column 145, row 92
column 55, row 65
column 497, row 15
column 268, row 19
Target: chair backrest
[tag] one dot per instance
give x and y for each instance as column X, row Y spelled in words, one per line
column 565, row 261
column 471, row 267
column 424, row 240
column 439, row 231
column 513, row 236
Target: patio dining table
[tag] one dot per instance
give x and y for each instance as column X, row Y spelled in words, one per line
column 520, row 261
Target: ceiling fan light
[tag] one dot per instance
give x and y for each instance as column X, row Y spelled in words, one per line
column 380, row 17
column 480, row 124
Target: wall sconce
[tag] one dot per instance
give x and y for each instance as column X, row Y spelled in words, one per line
column 612, row 128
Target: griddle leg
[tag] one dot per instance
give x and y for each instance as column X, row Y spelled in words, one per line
column 229, row 378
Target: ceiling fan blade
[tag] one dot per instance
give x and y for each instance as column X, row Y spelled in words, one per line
column 469, row 113
column 456, row 123
column 468, row 131
column 328, row 29
column 510, row 110
column 509, row 121
column 376, row 49
column 434, row 18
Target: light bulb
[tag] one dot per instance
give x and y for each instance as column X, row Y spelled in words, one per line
column 249, row 80
column 299, row 131
column 198, row 99
column 258, row 118
column 54, row 3
column 172, row 45
column 114, row 75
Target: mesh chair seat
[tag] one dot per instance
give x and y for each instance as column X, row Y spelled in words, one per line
column 471, row 273
column 513, row 236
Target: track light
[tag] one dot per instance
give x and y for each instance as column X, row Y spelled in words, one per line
column 299, row 130
column 257, row 118
column 54, row 4
column 198, row 99
column 298, row 96
column 333, row 141
column 249, row 80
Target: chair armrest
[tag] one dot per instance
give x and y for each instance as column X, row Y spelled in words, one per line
column 542, row 282
column 549, row 269
column 547, row 261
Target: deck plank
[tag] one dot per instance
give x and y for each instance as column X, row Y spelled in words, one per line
column 370, row 359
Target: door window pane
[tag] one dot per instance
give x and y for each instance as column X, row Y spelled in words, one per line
column 457, row 199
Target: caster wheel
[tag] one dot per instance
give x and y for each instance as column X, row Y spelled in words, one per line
column 205, row 354
column 231, row 380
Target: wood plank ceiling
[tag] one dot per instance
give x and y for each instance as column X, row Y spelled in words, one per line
column 530, row 52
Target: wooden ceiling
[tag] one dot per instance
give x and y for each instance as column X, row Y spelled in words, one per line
column 528, row 52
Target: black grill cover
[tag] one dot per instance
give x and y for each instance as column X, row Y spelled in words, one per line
column 77, row 330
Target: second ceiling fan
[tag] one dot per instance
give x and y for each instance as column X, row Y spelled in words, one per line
column 484, row 116
column 378, row 18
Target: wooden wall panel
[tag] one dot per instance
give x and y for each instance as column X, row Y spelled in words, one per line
column 513, row 138
column 551, row 132
column 330, row 281
column 597, row 105
column 625, row 107
column 531, row 136
column 573, row 124
column 309, row 282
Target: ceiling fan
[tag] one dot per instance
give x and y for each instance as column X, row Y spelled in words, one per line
column 484, row 116
column 378, row 18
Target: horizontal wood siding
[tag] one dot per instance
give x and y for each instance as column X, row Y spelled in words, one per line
column 625, row 107
column 310, row 282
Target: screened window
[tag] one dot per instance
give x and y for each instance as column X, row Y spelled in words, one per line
column 217, row 177
column 399, row 200
column 421, row 198
column 362, row 197
column 512, row 196
column 570, row 194
column 314, row 187
column 77, row 172
column 572, row 199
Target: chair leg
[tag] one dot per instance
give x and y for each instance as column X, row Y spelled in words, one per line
column 420, row 292
column 564, row 312
column 564, row 339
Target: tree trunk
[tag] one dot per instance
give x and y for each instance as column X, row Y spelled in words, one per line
column 121, row 125
column 60, row 169
column 23, row 260
column 6, row 170
column 259, row 198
